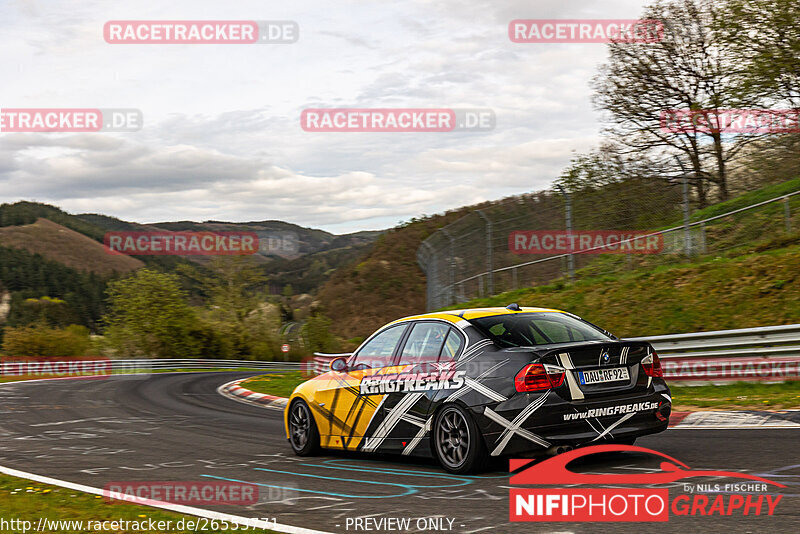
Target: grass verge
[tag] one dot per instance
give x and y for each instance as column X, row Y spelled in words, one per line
column 737, row 396
column 760, row 289
column 278, row 384
column 28, row 501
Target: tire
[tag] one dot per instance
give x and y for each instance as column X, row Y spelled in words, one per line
column 624, row 441
column 457, row 443
column 303, row 432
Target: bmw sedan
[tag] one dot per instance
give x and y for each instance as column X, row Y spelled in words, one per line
column 464, row 385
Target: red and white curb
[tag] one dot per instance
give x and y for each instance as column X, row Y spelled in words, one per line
column 234, row 391
column 707, row 420
column 741, row 419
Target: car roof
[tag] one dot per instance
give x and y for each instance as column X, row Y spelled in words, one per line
column 455, row 316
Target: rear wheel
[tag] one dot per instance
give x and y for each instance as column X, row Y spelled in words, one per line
column 457, row 442
column 303, row 433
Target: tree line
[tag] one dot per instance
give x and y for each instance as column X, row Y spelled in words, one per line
column 714, row 55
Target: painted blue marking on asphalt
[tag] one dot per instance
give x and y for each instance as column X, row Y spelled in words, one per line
column 407, row 486
column 408, row 489
column 462, row 481
column 391, row 470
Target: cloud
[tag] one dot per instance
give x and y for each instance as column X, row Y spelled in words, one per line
column 222, row 138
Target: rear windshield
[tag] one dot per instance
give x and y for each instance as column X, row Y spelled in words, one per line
column 531, row 329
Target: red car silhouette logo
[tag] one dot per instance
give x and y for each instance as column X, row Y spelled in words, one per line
column 554, row 470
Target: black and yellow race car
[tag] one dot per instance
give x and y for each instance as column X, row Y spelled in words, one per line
column 466, row 384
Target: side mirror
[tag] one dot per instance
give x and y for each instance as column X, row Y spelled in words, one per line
column 339, row 364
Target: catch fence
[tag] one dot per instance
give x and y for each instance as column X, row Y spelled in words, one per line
column 544, row 237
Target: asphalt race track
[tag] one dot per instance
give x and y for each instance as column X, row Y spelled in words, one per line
column 177, row 427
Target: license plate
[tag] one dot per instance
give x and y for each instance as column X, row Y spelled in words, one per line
column 613, row 374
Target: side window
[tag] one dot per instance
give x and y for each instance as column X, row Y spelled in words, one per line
column 379, row 350
column 452, row 344
column 424, row 343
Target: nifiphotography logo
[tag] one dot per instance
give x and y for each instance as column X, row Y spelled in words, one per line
column 616, row 504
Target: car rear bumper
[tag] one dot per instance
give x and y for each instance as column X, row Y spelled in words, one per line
column 534, row 422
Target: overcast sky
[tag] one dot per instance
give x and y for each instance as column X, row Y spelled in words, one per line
column 222, row 137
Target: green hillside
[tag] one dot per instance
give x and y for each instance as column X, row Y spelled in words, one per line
column 749, row 276
column 645, row 294
column 758, row 289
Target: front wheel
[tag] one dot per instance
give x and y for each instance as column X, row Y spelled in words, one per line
column 303, row 433
column 457, row 442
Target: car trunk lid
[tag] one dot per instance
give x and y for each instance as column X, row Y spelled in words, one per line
column 600, row 369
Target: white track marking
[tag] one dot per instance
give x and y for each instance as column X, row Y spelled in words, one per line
column 181, row 509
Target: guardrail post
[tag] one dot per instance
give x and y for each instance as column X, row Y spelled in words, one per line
column 787, row 213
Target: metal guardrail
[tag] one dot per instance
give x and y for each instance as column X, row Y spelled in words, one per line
column 167, row 364
column 744, row 342
column 763, row 353
column 75, row 366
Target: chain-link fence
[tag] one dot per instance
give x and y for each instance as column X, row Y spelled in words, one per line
column 539, row 238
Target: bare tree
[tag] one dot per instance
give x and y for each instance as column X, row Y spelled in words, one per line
column 690, row 68
column 766, row 36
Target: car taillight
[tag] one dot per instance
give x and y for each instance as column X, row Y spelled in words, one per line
column 539, row 377
column 652, row 365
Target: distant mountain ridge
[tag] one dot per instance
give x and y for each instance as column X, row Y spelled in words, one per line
column 45, row 251
column 76, row 242
column 309, row 240
column 64, row 245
